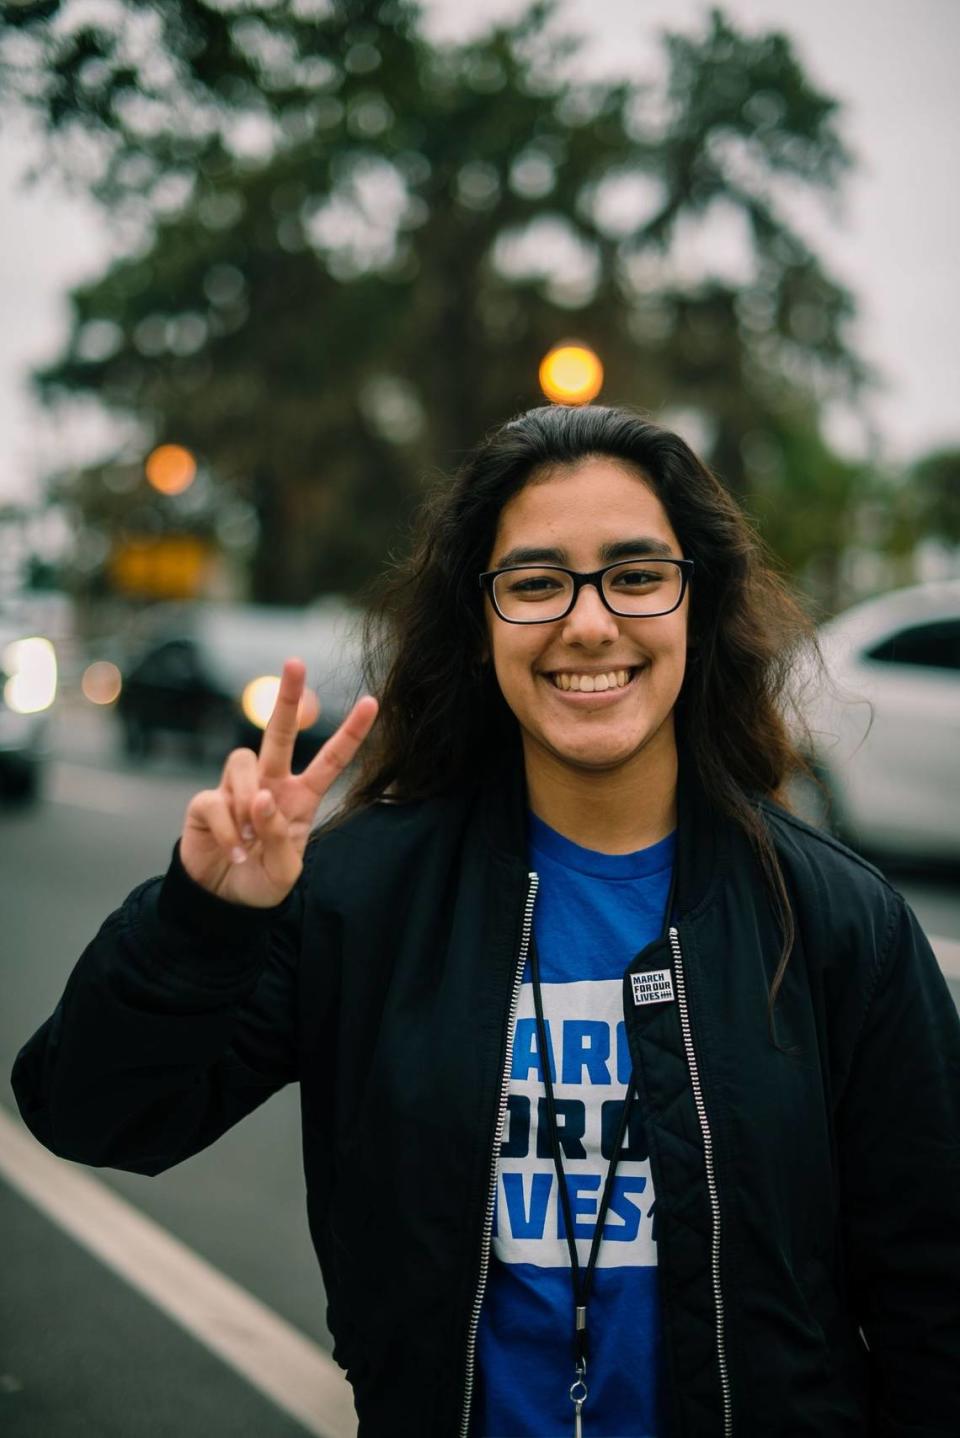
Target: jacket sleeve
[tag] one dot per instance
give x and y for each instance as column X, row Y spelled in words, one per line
column 899, row 1147
column 178, row 1019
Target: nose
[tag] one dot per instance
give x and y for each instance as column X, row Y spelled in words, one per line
column 590, row 622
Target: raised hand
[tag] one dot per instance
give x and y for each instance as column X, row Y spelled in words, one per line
column 244, row 840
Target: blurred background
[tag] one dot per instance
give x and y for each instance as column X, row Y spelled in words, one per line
column 269, row 268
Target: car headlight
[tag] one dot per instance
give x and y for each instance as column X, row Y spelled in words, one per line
column 260, row 696
column 31, row 667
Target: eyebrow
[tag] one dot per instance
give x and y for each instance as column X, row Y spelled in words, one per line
column 609, row 553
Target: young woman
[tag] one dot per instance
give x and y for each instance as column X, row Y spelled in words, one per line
column 630, row 1102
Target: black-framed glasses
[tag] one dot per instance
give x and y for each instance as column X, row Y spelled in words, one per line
column 631, row 588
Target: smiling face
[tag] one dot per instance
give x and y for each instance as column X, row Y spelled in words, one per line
column 581, row 517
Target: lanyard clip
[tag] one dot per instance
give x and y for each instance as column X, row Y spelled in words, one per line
column 578, row 1396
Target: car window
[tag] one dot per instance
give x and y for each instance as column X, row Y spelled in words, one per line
column 929, row 646
column 172, row 663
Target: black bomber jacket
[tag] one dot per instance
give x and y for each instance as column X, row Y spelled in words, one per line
column 808, row 1190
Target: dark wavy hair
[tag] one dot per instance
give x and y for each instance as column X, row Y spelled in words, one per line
column 443, row 718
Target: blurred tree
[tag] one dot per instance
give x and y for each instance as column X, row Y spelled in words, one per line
column 342, row 250
column 934, row 486
column 809, row 503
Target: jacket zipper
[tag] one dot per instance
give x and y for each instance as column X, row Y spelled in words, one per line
column 711, row 1178
column 486, row 1238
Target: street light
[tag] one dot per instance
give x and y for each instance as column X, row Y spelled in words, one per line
column 170, row 468
column 571, row 373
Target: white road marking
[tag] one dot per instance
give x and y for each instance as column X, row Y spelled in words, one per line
column 948, row 954
column 294, row 1373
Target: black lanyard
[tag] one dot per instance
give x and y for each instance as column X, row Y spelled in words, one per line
column 581, row 1282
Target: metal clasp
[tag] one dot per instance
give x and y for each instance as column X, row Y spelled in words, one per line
column 578, row 1396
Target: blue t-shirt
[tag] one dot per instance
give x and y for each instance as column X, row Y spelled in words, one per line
column 593, row 913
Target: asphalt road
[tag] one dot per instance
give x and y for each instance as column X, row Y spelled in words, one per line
column 80, row 1352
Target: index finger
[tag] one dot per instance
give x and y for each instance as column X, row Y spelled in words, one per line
column 279, row 737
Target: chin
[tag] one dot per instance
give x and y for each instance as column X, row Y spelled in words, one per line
column 599, row 756
column 601, row 752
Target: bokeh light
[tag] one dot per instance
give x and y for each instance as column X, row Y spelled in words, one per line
column 101, row 682
column 571, row 374
column 260, row 696
column 171, row 468
column 31, row 666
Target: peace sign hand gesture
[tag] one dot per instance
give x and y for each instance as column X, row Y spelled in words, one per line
column 244, row 840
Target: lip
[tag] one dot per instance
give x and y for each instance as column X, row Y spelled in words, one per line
column 600, row 698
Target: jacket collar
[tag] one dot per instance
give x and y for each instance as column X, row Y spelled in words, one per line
column 703, row 834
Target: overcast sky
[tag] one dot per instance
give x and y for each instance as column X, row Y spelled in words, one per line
column 892, row 63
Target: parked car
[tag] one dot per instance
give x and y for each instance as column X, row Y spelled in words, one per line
column 886, row 725
column 205, row 675
column 28, row 687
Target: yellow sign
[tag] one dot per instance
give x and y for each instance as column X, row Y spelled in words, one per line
column 171, row 567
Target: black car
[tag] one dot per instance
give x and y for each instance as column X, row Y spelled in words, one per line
column 203, row 675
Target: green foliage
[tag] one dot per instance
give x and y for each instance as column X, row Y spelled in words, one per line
column 808, row 502
column 934, row 487
column 343, row 251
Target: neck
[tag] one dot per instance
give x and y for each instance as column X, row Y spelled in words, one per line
column 613, row 811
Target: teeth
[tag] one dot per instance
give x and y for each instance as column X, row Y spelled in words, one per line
column 592, row 683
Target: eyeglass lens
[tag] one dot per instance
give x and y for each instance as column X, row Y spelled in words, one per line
column 647, row 587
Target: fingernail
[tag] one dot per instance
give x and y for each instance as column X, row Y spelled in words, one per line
column 247, row 833
column 268, row 808
column 238, row 855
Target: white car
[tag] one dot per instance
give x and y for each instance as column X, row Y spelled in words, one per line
column 28, row 687
column 886, row 725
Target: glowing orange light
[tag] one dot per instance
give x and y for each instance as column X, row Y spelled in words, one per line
column 571, row 374
column 171, row 469
column 260, row 696
column 101, row 682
